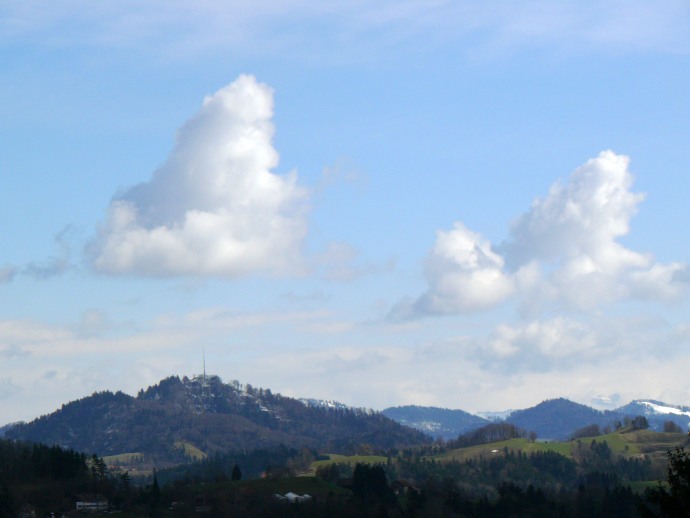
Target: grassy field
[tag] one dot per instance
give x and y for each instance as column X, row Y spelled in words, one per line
column 498, row 448
column 123, row 458
column 138, row 463
column 626, row 443
column 191, row 450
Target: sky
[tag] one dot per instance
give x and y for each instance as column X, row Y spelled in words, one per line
column 465, row 204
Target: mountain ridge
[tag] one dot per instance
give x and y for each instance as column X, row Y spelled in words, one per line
column 556, row 418
column 255, row 417
column 211, row 415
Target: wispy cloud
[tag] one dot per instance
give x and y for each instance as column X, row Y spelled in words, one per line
column 96, row 352
column 511, row 365
column 59, row 263
column 345, row 29
column 54, row 266
column 214, row 208
column 339, row 262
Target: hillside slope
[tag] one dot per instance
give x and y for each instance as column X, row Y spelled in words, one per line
column 211, row 415
column 437, row 422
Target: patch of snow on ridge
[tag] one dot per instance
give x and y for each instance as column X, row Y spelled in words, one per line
column 663, row 409
column 427, row 426
column 322, row 403
column 495, row 416
column 334, row 405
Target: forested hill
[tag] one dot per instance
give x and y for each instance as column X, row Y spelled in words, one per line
column 559, row 418
column 438, row 422
column 211, row 416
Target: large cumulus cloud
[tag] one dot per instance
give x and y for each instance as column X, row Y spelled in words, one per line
column 214, row 207
column 563, row 251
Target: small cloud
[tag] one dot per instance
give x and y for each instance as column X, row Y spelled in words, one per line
column 464, row 274
column 214, row 208
column 49, row 375
column 65, row 242
column 329, row 327
column 93, row 323
column 607, row 402
column 682, row 274
column 339, row 263
column 316, row 297
column 12, row 351
column 7, row 273
column 8, row 388
column 343, row 171
column 48, row 269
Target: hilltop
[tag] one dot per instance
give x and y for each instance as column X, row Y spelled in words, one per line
column 178, row 419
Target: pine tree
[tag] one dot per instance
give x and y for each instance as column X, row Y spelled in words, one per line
column 674, row 502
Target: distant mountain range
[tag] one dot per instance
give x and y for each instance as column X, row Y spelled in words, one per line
column 203, row 414
column 555, row 419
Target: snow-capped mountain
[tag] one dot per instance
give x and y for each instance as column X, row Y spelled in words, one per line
column 658, row 412
column 658, row 408
column 550, row 419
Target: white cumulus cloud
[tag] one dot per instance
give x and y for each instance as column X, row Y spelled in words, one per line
column 464, row 274
column 564, row 250
column 214, row 207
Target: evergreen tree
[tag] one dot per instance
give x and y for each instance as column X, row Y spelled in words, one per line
column 6, row 501
column 675, row 501
column 154, row 496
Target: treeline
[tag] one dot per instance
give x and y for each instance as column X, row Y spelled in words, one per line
column 49, row 478
column 511, row 484
column 481, row 476
column 52, row 479
column 279, row 461
column 26, row 463
column 508, row 484
column 594, row 483
column 493, row 432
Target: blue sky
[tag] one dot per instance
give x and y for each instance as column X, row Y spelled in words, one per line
column 474, row 205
